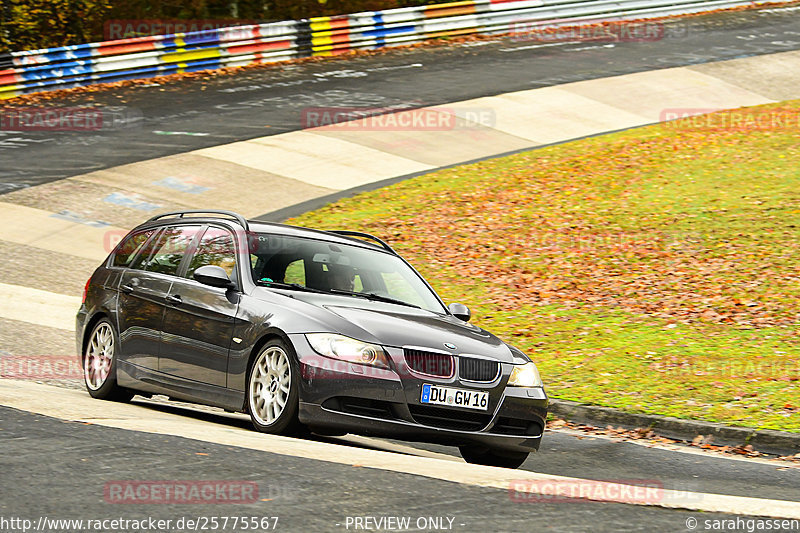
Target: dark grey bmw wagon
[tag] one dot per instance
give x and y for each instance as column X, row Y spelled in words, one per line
column 324, row 331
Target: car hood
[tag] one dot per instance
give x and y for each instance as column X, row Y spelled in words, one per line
column 424, row 330
column 388, row 324
column 398, row 326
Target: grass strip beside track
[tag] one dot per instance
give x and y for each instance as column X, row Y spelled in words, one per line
column 654, row 270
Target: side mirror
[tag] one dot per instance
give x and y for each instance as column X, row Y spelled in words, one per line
column 460, row 311
column 214, row 276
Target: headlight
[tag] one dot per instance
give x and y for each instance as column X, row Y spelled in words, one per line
column 347, row 349
column 526, row 375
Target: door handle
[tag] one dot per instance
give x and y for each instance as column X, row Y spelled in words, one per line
column 130, row 287
column 174, row 299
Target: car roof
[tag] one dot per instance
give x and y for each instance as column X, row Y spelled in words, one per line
column 258, row 226
column 309, row 233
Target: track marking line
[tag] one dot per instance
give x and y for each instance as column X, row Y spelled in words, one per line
column 36, row 306
column 39, row 228
column 535, row 46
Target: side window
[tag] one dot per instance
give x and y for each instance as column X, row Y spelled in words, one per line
column 215, row 248
column 170, row 249
column 295, row 273
column 130, row 247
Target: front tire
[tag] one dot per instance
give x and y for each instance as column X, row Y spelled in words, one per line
column 481, row 455
column 272, row 390
column 99, row 364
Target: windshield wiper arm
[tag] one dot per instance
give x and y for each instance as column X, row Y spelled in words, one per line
column 290, row 286
column 374, row 297
column 367, row 295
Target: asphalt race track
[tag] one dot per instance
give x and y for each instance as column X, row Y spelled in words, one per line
column 305, row 495
column 57, row 461
column 317, row 483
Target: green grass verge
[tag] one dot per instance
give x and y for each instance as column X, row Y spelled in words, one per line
column 655, row 270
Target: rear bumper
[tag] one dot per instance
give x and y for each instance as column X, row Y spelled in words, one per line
column 80, row 326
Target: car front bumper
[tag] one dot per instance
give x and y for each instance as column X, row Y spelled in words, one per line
column 343, row 397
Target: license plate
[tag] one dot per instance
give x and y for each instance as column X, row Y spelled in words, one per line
column 471, row 399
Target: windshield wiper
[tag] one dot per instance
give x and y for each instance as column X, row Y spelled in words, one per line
column 368, row 295
column 374, row 297
column 290, row 286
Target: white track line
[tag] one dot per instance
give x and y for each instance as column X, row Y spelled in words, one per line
column 48, row 231
column 36, row 306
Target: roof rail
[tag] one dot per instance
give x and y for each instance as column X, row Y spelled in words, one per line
column 230, row 214
column 348, row 233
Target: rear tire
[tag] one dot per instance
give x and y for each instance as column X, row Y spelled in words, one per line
column 272, row 390
column 99, row 364
column 481, row 455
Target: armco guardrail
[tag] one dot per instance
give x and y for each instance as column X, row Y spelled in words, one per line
column 145, row 57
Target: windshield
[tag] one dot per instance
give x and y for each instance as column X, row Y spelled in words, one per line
column 305, row 264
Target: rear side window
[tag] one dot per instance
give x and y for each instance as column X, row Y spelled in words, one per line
column 295, row 273
column 130, row 247
column 215, row 248
column 169, row 250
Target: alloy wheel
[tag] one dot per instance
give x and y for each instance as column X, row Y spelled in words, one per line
column 270, row 383
column 99, row 356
